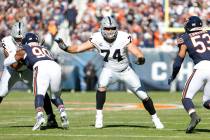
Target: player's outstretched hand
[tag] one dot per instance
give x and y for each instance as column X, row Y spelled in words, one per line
column 61, row 44
column 170, row 80
column 140, row 61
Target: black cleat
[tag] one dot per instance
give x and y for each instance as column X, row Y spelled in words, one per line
column 193, row 123
column 51, row 122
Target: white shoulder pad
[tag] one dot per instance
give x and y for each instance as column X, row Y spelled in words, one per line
column 8, row 44
column 125, row 37
column 96, row 38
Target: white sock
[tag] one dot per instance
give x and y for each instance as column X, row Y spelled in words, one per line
column 99, row 112
column 39, row 113
column 191, row 111
column 154, row 116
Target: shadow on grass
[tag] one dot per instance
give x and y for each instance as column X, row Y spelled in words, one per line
column 194, row 131
column 42, row 128
column 124, row 125
column 202, row 130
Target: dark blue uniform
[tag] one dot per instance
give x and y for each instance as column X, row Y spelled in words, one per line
column 198, row 45
column 35, row 54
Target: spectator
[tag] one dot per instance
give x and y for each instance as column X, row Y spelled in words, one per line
column 90, row 76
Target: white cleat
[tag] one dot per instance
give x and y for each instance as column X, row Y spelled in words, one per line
column 99, row 121
column 157, row 123
column 40, row 121
column 64, row 120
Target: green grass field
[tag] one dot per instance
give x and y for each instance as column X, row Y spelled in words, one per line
column 122, row 120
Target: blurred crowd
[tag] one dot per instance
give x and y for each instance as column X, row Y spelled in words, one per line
column 75, row 20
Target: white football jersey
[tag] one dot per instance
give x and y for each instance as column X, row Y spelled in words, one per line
column 9, row 44
column 115, row 54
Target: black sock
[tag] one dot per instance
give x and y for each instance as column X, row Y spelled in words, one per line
column 193, row 115
column 148, row 104
column 188, row 104
column 39, row 101
column 57, row 101
column 100, row 99
column 47, row 105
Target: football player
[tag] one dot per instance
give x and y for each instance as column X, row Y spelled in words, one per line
column 46, row 72
column 113, row 46
column 18, row 72
column 196, row 42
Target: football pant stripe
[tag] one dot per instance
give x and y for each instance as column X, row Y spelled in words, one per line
column 188, row 83
column 35, row 81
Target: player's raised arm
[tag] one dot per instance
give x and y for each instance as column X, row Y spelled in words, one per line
column 138, row 53
column 74, row 48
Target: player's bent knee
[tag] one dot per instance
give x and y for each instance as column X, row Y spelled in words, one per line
column 141, row 93
column 207, row 104
column 3, row 92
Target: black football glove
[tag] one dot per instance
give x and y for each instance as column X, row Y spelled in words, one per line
column 170, row 80
column 140, row 61
column 42, row 42
column 61, row 44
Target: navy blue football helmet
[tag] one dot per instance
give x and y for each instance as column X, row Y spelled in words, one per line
column 30, row 37
column 193, row 23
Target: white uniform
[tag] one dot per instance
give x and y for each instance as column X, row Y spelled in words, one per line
column 116, row 66
column 9, row 75
column 199, row 77
column 42, row 78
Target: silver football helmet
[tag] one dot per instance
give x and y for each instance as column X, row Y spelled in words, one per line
column 18, row 30
column 109, row 28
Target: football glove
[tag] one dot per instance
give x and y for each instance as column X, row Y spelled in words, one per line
column 61, row 44
column 140, row 61
column 170, row 80
column 42, row 42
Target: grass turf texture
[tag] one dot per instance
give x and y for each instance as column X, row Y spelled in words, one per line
column 17, row 118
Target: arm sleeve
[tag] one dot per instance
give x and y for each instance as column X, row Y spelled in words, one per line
column 176, row 66
column 95, row 39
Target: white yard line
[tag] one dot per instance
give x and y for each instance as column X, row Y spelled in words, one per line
column 113, row 136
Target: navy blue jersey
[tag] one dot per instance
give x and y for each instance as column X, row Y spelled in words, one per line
column 35, row 54
column 198, row 45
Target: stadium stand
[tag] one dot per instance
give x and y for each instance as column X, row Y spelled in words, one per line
column 153, row 23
